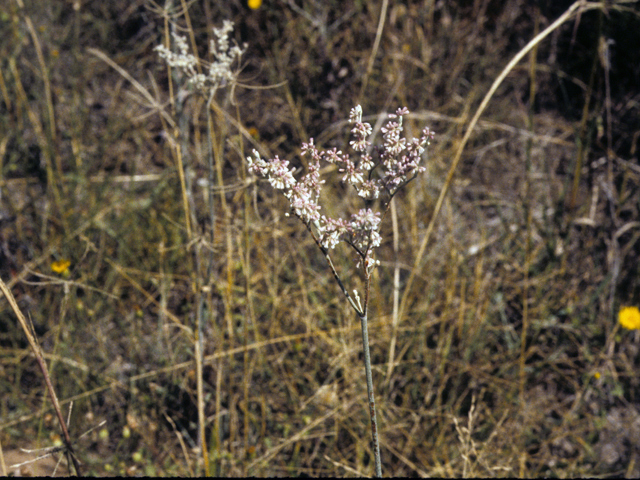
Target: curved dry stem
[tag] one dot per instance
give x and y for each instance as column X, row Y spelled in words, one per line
column 576, row 8
column 376, row 46
column 43, row 368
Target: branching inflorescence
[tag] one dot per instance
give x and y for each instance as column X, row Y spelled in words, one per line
column 397, row 161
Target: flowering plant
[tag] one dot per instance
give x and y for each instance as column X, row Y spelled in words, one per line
column 394, row 164
column 629, row 318
column 219, row 71
column 219, row 74
column 397, row 163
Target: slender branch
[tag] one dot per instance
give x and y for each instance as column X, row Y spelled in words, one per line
column 372, row 402
column 333, row 270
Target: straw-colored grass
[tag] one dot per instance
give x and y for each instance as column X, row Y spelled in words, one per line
column 497, row 354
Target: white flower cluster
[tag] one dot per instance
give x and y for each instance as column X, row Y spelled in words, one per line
column 219, row 71
column 398, row 162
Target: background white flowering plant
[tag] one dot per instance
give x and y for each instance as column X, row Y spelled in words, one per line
column 219, row 71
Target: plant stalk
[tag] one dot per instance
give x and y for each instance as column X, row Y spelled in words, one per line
column 37, row 352
column 372, row 402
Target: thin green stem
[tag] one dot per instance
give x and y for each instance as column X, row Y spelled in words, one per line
column 325, row 251
column 372, row 402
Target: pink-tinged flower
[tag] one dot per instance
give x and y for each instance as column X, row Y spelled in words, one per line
column 280, row 176
column 393, row 143
column 428, row 135
column 257, row 165
column 331, row 231
column 359, row 145
column 303, row 205
column 369, row 190
column 352, row 176
column 363, row 228
column 335, row 156
column 355, row 115
column 366, row 219
column 310, row 149
column 366, row 163
column 360, row 130
column 370, row 263
column 331, row 239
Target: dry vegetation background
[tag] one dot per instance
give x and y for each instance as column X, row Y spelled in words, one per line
column 502, row 357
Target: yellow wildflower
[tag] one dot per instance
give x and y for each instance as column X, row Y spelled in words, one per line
column 629, row 318
column 61, row 266
column 253, row 131
column 254, row 4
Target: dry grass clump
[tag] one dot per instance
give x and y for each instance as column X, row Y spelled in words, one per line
column 496, row 351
